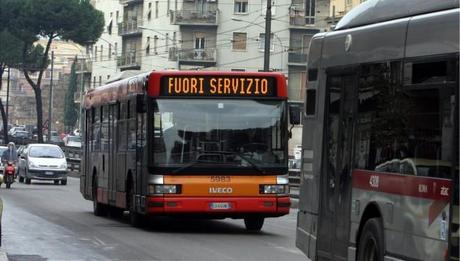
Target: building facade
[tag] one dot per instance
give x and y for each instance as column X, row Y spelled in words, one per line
column 145, row 35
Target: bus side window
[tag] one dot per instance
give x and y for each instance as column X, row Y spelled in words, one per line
column 122, row 127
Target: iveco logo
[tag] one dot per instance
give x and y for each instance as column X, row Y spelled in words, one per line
column 348, row 41
column 220, row 190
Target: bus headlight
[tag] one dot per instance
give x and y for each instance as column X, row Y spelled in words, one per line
column 164, row 189
column 274, row 189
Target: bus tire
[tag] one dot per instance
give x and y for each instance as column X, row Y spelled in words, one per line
column 28, row 181
column 254, row 223
column 371, row 242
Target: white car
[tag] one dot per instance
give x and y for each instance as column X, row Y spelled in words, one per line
column 42, row 162
column 72, row 141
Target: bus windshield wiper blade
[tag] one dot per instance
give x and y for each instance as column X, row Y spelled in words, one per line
column 191, row 164
column 251, row 162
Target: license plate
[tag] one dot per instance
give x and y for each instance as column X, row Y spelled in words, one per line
column 220, row 205
column 49, row 173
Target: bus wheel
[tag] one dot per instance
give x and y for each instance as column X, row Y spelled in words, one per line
column 371, row 246
column 254, row 223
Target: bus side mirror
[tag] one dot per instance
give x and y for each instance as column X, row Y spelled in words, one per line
column 141, row 104
column 294, row 114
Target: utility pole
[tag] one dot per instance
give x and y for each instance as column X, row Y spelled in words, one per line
column 268, row 29
column 50, row 105
column 82, row 90
column 8, row 95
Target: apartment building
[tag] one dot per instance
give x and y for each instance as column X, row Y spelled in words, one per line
column 145, row 35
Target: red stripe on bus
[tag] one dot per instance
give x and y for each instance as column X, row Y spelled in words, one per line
column 413, row 186
column 121, row 200
column 102, row 196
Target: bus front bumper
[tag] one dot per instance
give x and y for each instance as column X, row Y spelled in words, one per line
column 220, row 206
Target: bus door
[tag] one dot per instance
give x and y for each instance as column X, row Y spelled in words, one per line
column 140, row 142
column 111, row 157
column 334, row 215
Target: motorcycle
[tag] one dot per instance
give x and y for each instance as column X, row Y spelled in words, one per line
column 9, row 173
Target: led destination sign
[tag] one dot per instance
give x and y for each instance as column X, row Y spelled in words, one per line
column 222, row 85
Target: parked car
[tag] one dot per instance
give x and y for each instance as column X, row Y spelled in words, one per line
column 42, row 162
column 72, row 141
column 14, row 129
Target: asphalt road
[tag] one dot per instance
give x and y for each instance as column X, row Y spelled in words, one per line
column 48, row 222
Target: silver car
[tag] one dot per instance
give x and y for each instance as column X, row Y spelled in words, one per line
column 42, row 162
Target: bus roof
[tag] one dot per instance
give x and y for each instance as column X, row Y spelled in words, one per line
column 375, row 11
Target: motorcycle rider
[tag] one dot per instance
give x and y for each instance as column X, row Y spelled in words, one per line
column 10, row 155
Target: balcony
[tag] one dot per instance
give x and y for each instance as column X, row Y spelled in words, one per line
column 298, row 18
column 129, row 28
column 296, row 58
column 127, row 2
column 194, row 17
column 129, row 61
column 84, row 66
column 195, row 56
column 172, row 54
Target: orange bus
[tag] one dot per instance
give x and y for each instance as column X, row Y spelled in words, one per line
column 210, row 144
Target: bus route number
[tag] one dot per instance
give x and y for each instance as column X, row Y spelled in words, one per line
column 220, row 179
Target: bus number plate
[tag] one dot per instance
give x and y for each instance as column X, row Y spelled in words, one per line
column 220, row 179
column 220, row 205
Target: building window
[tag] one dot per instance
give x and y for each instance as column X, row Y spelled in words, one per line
column 239, row 41
column 100, row 80
column 108, row 76
column 117, row 15
column 348, row 2
column 156, row 9
column 167, row 7
column 310, row 11
column 95, row 53
column 241, row 7
column 174, row 38
column 155, row 45
column 102, row 52
column 147, row 48
column 110, row 51
column 115, row 48
column 167, row 41
column 262, row 42
column 199, row 41
column 94, row 82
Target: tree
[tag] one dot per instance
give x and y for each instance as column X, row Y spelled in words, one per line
column 70, row 109
column 10, row 57
column 74, row 20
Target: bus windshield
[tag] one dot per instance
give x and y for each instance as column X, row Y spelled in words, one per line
column 198, row 133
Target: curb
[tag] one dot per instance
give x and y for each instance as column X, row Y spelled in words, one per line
column 3, row 256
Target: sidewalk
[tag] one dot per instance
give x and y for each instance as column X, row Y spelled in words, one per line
column 3, row 256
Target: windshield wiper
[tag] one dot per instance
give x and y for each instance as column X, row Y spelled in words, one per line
column 251, row 162
column 191, row 164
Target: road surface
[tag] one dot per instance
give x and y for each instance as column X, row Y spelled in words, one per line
column 48, row 222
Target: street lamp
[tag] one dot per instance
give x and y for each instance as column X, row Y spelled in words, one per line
column 266, row 47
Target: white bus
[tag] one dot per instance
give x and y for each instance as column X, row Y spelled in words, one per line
column 380, row 148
